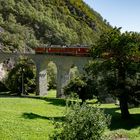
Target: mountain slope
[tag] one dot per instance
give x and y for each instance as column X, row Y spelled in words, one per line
column 31, row 23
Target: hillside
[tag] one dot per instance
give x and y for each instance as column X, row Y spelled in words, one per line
column 32, row 23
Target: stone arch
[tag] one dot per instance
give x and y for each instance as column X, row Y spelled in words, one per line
column 63, row 64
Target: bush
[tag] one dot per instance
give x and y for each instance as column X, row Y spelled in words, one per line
column 84, row 88
column 82, row 123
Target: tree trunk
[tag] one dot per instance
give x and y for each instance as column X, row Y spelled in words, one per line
column 121, row 86
column 83, row 101
column 124, row 106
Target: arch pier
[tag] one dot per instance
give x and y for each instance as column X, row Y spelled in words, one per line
column 63, row 64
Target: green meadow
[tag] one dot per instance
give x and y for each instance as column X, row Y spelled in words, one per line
column 24, row 118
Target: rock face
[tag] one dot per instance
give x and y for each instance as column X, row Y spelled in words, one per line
column 2, row 72
column 32, row 23
column 6, row 66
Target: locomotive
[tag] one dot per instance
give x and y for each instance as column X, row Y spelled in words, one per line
column 64, row 50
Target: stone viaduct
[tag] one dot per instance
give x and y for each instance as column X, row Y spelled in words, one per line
column 63, row 64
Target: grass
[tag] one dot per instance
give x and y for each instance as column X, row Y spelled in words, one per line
column 31, row 118
column 28, row 119
column 123, row 128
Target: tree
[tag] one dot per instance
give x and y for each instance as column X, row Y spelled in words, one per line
column 115, row 53
column 82, row 86
column 21, row 79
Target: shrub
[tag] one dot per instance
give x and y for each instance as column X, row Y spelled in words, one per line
column 82, row 123
column 84, row 88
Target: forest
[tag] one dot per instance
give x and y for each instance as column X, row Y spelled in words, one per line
column 25, row 24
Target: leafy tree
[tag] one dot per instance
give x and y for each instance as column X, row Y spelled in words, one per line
column 83, row 87
column 116, row 53
column 22, row 75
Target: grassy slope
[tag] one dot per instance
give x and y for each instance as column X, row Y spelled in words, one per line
column 27, row 119
column 30, row 119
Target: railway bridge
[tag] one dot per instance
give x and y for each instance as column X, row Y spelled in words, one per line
column 63, row 64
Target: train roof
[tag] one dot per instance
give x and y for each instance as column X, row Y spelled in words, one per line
column 65, row 46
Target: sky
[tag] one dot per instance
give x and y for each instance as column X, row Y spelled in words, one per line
column 119, row 13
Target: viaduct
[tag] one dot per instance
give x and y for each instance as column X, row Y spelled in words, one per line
column 63, row 64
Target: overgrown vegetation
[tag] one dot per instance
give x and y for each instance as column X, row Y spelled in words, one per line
column 32, row 23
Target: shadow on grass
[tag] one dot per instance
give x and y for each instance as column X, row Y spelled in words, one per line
column 53, row 101
column 118, row 123
column 8, row 94
column 36, row 116
column 56, row 101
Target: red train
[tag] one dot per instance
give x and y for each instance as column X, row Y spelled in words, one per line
column 73, row 51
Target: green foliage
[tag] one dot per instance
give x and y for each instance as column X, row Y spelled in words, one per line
column 51, row 75
column 84, row 88
column 22, row 73
column 83, row 122
column 118, row 63
column 118, row 52
column 74, row 72
column 33, row 23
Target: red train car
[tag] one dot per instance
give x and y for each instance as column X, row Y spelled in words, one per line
column 40, row 50
column 74, row 51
